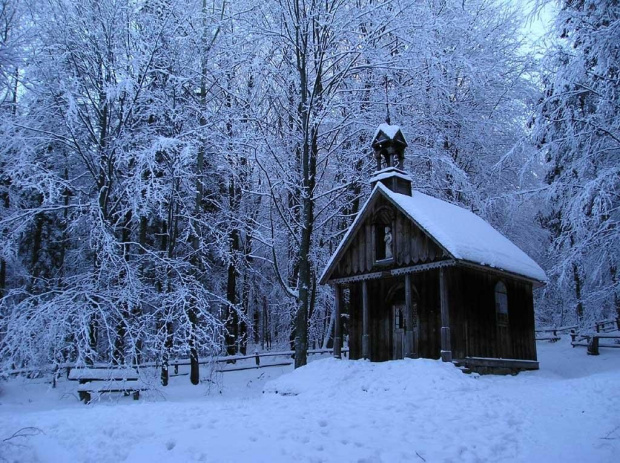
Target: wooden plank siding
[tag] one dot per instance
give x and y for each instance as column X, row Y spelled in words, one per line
column 426, row 285
column 478, row 336
column 380, row 335
column 411, row 246
column 479, row 306
column 355, row 321
column 474, row 331
column 385, row 292
column 522, row 328
column 458, row 314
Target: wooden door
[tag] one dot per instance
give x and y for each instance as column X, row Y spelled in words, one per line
column 398, row 331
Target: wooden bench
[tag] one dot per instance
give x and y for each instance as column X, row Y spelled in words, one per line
column 101, row 380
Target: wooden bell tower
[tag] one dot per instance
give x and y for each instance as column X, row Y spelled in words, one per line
column 389, row 151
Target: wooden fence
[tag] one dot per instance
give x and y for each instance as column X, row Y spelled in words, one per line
column 601, row 326
column 175, row 363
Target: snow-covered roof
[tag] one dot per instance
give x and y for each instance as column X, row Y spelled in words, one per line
column 389, row 130
column 389, row 172
column 462, row 233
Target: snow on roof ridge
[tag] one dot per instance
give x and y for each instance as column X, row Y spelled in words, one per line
column 388, row 129
column 389, row 171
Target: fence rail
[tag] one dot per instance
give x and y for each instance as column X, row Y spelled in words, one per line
column 601, row 326
column 175, row 363
column 551, row 334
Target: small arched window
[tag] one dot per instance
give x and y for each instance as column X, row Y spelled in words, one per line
column 501, row 302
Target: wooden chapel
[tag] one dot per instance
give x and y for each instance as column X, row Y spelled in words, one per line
column 425, row 278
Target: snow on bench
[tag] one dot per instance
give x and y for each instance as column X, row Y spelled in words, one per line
column 101, row 380
column 84, row 375
column 127, row 387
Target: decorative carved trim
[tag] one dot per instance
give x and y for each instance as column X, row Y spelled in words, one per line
column 395, row 272
column 366, row 276
column 423, row 267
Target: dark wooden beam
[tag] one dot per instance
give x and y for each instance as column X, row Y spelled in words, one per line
column 337, row 331
column 410, row 350
column 446, row 349
column 365, row 321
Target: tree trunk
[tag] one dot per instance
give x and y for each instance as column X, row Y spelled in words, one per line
column 166, row 357
column 232, row 319
column 245, row 305
column 2, row 277
column 577, row 281
column 194, row 365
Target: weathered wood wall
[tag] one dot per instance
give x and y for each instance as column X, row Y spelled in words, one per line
column 380, row 318
column 522, row 327
column 411, row 245
column 473, row 316
column 355, row 321
column 383, row 293
column 429, row 313
column 471, row 296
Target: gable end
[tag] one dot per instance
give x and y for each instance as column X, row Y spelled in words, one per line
column 360, row 252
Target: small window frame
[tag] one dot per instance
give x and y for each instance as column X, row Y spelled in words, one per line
column 380, row 246
column 501, row 303
column 383, row 218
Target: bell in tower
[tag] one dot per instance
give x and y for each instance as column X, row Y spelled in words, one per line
column 389, row 150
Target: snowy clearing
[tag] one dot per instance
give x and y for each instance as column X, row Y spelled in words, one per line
column 407, row 410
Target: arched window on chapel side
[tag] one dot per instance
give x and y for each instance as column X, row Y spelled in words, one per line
column 501, row 303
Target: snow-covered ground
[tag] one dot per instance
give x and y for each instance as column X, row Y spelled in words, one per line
column 340, row 411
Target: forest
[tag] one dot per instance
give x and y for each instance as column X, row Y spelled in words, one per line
column 175, row 174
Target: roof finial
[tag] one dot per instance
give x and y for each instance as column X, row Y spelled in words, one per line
column 387, row 102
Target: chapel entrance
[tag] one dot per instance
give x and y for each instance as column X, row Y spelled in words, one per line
column 398, row 331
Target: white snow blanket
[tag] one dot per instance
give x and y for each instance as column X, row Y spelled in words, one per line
column 334, row 411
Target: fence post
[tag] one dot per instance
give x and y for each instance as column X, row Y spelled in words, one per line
column 593, row 346
column 257, row 358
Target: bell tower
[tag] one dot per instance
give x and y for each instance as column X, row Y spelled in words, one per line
column 389, row 151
